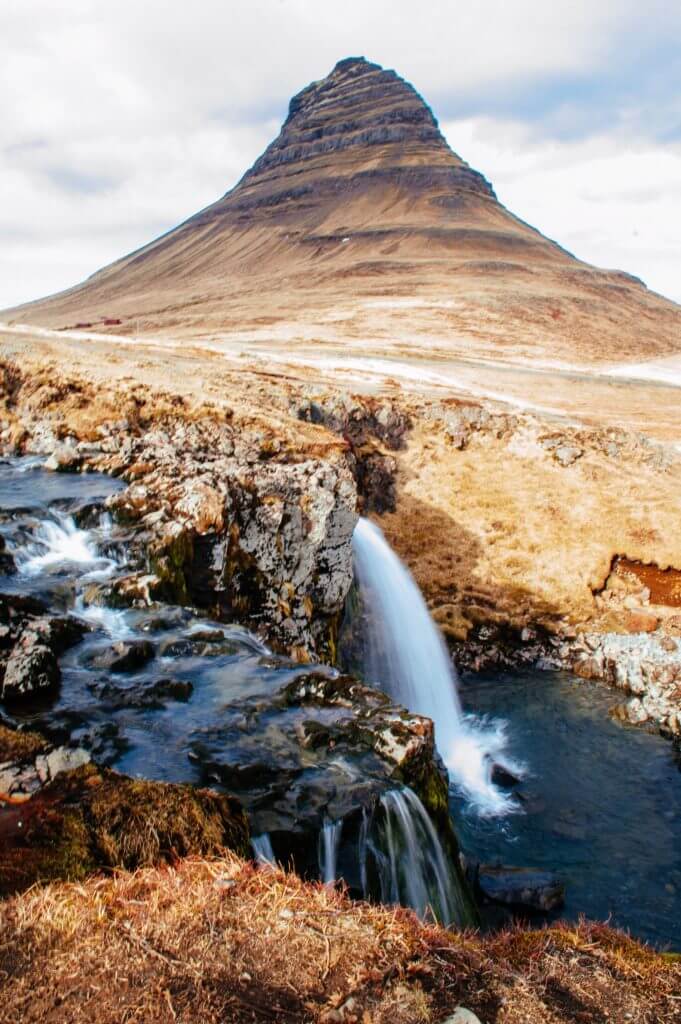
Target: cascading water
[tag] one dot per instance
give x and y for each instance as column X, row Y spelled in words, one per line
column 59, row 542
column 401, row 846
column 405, row 655
column 329, row 841
column 262, row 848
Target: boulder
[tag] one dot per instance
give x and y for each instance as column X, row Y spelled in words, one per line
column 567, row 454
column 144, row 695
column 525, row 888
column 125, row 656
column 32, row 668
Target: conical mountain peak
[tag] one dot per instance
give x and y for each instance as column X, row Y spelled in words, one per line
column 362, row 118
column 358, row 222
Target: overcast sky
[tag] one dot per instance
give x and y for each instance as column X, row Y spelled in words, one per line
column 119, row 119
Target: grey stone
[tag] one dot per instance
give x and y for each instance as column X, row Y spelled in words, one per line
column 462, row 1016
column 566, row 454
column 31, row 667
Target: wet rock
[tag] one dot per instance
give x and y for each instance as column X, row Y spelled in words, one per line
column 30, row 642
column 527, row 888
column 89, row 818
column 501, row 776
column 31, row 668
column 143, row 695
column 7, row 566
column 125, row 656
column 325, row 748
column 193, row 647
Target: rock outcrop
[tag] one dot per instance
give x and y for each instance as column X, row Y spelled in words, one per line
column 30, row 642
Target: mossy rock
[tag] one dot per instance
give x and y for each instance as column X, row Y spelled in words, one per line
column 91, row 819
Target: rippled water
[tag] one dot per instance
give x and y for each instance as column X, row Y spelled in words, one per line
column 602, row 803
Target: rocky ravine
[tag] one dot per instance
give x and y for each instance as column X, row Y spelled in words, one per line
column 515, row 527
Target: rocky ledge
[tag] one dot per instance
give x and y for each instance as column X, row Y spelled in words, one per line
column 239, row 518
column 645, row 666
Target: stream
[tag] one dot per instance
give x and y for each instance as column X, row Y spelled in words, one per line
column 199, row 701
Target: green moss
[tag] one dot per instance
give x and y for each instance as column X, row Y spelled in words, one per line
column 171, row 564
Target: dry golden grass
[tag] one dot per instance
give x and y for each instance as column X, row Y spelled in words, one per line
column 209, row 941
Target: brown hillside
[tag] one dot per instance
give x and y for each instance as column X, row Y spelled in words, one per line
column 358, row 224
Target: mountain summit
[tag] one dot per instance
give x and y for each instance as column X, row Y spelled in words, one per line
column 358, row 224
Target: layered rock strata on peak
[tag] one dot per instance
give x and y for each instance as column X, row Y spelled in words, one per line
column 359, row 222
column 360, row 125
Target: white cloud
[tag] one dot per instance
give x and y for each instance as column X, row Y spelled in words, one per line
column 611, row 202
column 122, row 119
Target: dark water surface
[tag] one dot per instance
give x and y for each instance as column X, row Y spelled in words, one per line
column 601, row 801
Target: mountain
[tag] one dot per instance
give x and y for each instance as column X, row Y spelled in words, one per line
column 358, row 226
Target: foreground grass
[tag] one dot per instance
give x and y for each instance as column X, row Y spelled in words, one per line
column 218, row 941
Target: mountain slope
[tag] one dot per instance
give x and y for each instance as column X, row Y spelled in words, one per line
column 359, row 225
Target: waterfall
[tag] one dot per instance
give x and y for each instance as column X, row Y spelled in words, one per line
column 262, row 848
column 327, row 850
column 58, row 542
column 402, row 846
column 406, row 656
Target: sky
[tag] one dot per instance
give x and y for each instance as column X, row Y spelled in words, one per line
column 119, row 120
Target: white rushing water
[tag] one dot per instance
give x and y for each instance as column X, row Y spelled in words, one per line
column 58, row 542
column 412, row 866
column 262, row 848
column 329, row 841
column 406, row 656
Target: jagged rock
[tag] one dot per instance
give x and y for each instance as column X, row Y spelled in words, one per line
column 30, row 642
column 125, row 656
column 145, row 695
column 31, row 668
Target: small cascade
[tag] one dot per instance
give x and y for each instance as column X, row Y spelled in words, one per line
column 58, row 542
column 327, row 850
column 113, row 621
column 400, row 847
column 262, row 848
column 406, row 656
